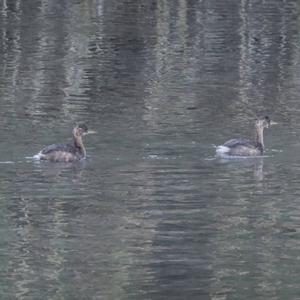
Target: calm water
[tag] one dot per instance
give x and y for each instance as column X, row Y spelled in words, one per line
column 151, row 214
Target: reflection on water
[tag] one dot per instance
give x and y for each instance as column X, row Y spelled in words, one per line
column 242, row 164
column 151, row 214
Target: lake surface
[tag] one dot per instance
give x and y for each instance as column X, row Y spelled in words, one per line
column 151, row 213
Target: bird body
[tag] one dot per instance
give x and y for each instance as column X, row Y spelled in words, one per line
column 66, row 152
column 240, row 147
column 245, row 147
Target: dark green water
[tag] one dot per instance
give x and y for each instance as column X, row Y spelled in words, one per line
column 151, row 214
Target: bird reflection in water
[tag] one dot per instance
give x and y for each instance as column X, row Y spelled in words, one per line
column 242, row 165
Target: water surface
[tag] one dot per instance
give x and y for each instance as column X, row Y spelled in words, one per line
column 151, row 213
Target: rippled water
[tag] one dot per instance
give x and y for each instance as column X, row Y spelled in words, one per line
column 151, row 213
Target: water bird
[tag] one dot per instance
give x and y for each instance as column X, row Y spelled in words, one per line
column 244, row 147
column 66, row 152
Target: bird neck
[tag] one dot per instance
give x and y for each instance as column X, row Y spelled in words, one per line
column 259, row 138
column 79, row 144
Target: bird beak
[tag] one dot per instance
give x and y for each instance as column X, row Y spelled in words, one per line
column 91, row 132
column 273, row 123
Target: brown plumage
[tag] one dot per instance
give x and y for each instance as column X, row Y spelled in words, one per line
column 66, row 152
column 243, row 147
